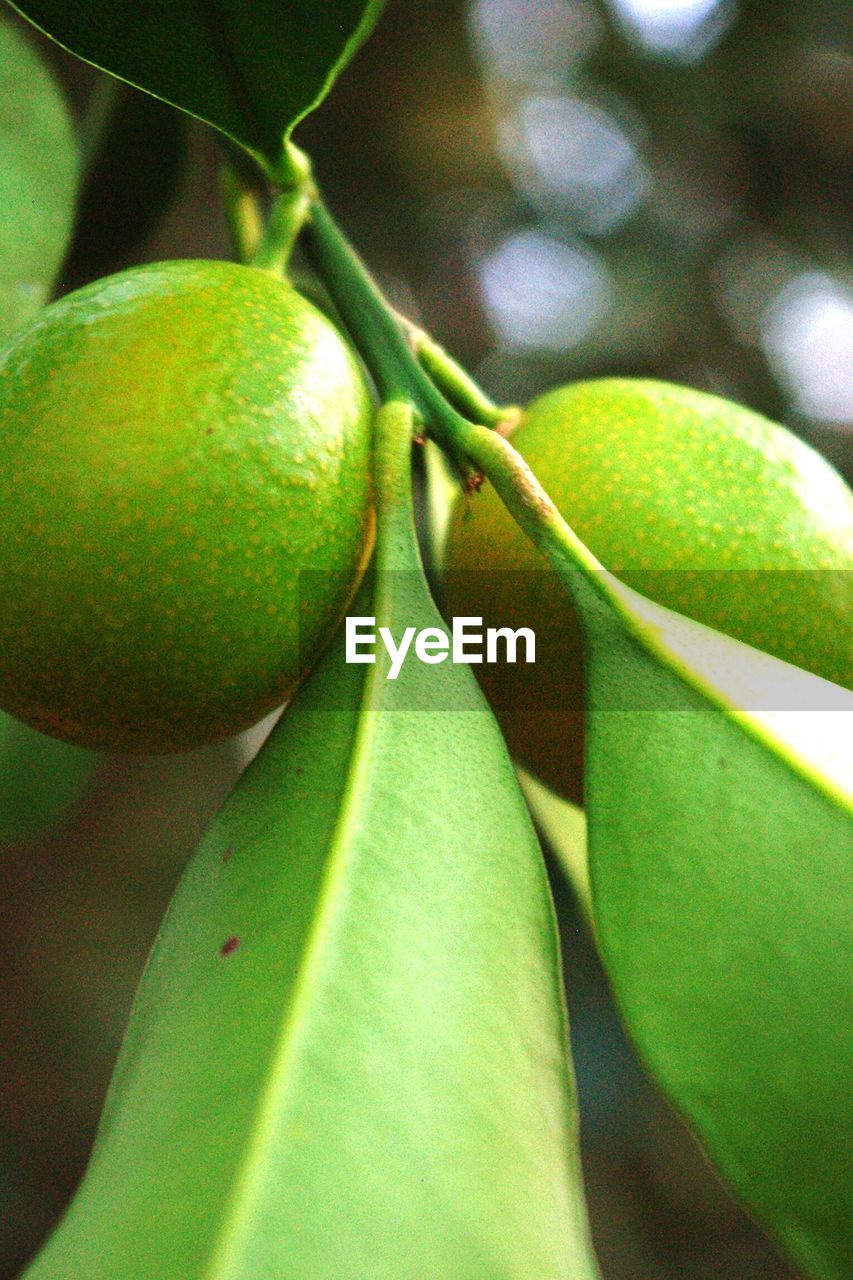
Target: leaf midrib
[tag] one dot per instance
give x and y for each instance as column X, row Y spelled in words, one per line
column 273, row 1100
column 396, row 523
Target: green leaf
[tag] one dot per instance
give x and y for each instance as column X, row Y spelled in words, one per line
column 251, row 70
column 720, row 841
column 348, row 1056
column 38, row 180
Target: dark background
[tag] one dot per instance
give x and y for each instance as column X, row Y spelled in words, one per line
column 556, row 189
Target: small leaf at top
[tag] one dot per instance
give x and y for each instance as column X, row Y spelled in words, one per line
column 38, row 180
column 252, row 70
column 347, row 1057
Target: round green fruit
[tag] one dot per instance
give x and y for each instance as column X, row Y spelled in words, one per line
column 185, row 504
column 699, row 504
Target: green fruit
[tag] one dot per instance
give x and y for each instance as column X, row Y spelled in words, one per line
column 702, row 505
column 185, row 504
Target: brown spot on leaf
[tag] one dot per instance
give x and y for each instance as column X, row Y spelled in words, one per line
column 229, row 946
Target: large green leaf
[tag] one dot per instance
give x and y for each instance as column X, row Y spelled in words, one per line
column 720, row 842
column 252, row 70
column 38, row 180
column 347, row 1058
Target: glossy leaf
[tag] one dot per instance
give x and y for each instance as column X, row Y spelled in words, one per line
column 720, row 813
column 38, row 180
column 347, row 1057
column 251, row 70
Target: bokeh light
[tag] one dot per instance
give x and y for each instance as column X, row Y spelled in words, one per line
column 534, row 43
column 573, row 156
column 542, row 292
column 807, row 333
column 684, row 29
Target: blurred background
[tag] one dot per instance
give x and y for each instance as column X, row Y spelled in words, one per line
column 555, row 189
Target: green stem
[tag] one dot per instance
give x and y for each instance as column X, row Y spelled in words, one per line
column 270, row 247
column 288, row 217
column 381, row 338
column 377, row 331
column 396, row 542
column 456, row 383
column 406, row 387
column 531, row 508
column 374, row 327
column 412, row 398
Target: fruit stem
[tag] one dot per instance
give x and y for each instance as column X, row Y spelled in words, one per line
column 379, row 334
column 288, row 217
column 533, row 510
column 383, row 342
column 274, row 246
column 373, row 326
column 396, row 540
column 456, row 383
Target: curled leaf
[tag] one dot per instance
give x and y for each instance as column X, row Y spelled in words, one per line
column 720, row 812
column 251, row 70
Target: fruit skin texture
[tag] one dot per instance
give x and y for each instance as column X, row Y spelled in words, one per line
column 179, row 444
column 672, row 489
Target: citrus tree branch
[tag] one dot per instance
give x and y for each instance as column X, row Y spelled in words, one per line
column 386, row 348
column 456, row 383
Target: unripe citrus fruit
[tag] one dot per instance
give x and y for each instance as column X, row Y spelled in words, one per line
column 702, row 505
column 185, row 504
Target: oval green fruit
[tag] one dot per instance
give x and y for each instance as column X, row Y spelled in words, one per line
column 704, row 506
column 185, row 504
